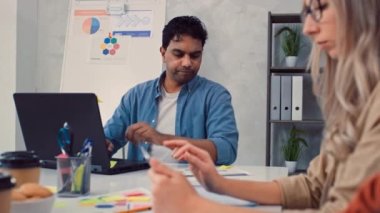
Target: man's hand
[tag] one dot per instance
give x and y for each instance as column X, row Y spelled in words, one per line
column 142, row 132
column 109, row 146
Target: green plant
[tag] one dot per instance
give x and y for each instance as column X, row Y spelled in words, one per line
column 294, row 145
column 290, row 40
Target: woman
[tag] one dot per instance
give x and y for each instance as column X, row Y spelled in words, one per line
column 348, row 33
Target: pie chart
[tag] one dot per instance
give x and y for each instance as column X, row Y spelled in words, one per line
column 91, row 25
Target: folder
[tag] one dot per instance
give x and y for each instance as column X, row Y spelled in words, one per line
column 297, row 97
column 275, row 97
column 286, row 98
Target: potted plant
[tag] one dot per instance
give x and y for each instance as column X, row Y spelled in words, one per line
column 293, row 148
column 290, row 43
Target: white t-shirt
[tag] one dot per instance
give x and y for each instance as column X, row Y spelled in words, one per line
column 167, row 108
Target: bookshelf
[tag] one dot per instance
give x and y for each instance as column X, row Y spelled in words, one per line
column 278, row 123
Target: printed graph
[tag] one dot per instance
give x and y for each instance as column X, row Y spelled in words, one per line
column 91, row 25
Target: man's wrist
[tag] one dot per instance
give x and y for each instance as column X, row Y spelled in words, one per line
column 158, row 139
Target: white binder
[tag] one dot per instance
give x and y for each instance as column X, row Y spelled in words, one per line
column 275, row 97
column 286, row 97
column 297, row 97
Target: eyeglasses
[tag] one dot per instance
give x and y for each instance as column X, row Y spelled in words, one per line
column 315, row 9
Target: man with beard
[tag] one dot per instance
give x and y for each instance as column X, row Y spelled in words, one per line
column 177, row 105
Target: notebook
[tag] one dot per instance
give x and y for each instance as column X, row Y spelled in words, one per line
column 41, row 115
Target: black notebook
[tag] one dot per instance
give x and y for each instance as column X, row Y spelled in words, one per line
column 41, row 115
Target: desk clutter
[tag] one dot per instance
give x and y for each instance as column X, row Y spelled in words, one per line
column 133, row 200
column 73, row 171
column 73, row 174
column 19, row 184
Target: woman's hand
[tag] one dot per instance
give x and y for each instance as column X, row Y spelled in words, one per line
column 200, row 162
column 172, row 193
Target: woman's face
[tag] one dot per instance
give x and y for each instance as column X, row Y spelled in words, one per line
column 320, row 25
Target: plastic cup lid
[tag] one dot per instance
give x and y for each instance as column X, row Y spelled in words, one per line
column 19, row 159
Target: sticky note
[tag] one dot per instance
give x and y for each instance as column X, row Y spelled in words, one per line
column 112, row 163
column 224, row 167
column 113, row 198
column 138, row 199
column 134, row 193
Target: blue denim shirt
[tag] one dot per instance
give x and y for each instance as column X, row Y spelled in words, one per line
column 204, row 111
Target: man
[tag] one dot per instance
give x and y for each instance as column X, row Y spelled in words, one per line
column 177, row 105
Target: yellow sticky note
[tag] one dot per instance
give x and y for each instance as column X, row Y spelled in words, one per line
column 113, row 198
column 224, row 167
column 60, row 204
column 138, row 199
column 112, row 163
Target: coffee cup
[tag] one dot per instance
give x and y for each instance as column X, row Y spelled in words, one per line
column 24, row 166
column 6, row 184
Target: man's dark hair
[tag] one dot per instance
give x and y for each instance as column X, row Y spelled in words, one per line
column 184, row 25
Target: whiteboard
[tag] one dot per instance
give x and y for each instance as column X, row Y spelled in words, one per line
column 109, row 54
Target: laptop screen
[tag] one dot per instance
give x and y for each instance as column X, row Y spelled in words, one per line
column 41, row 115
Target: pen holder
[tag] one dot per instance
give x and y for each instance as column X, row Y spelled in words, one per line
column 73, row 176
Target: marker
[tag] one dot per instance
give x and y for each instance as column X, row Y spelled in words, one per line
column 139, row 209
column 86, row 148
column 65, row 139
column 64, row 142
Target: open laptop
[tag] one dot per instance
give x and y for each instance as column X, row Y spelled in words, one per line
column 41, row 115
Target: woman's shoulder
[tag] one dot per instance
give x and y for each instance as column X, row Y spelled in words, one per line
column 370, row 115
column 374, row 100
column 376, row 91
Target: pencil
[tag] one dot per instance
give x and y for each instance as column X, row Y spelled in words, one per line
column 139, row 209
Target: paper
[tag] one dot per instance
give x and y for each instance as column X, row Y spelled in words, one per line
column 135, row 23
column 222, row 170
column 108, row 49
column 223, row 198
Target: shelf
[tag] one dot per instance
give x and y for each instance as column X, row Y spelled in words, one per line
column 286, row 18
column 292, row 121
column 288, row 70
column 298, row 171
column 313, row 122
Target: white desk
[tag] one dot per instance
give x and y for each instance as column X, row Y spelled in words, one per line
column 103, row 184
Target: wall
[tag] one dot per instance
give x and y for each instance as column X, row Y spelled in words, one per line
column 27, row 22
column 8, row 23
column 235, row 56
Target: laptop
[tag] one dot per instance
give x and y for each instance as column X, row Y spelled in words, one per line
column 41, row 115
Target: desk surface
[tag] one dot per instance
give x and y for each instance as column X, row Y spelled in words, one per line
column 104, row 184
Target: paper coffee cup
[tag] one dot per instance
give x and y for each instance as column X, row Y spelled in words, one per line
column 24, row 166
column 6, row 184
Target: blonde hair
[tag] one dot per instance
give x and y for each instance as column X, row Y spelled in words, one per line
column 345, row 84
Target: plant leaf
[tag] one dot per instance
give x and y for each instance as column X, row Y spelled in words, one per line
column 293, row 147
column 291, row 38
